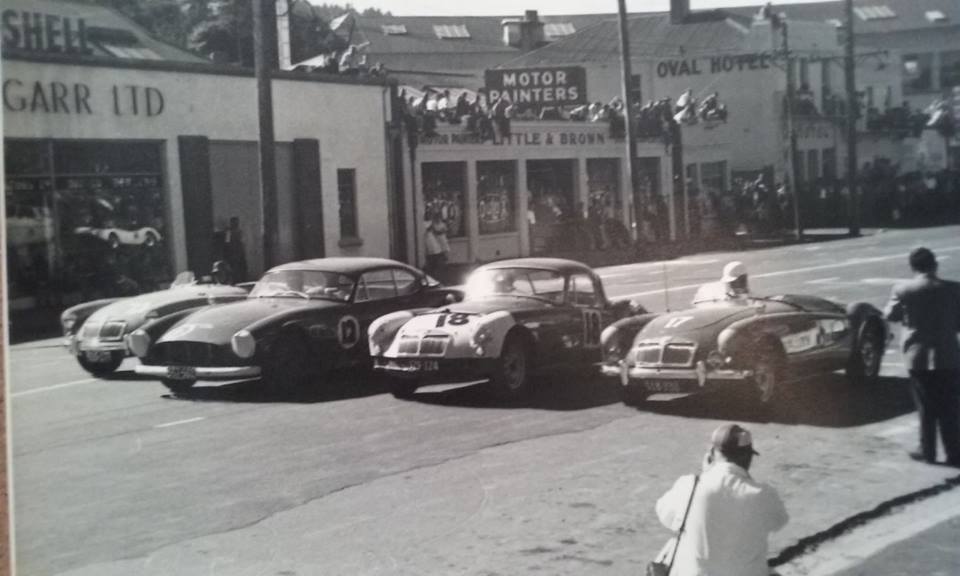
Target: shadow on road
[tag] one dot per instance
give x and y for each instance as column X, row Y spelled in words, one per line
column 827, row 401
column 553, row 392
column 339, row 387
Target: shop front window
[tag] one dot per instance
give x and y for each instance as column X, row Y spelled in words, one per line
column 444, row 193
column 551, row 205
column 603, row 188
column 496, row 192
column 85, row 219
column 950, row 69
column 917, row 72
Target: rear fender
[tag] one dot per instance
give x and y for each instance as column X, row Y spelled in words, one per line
column 862, row 315
column 742, row 339
column 81, row 312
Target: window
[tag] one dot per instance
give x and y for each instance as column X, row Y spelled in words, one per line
column 451, row 31
column 829, row 163
column 874, row 12
column 444, row 193
column 934, row 16
column 496, row 190
column 554, row 30
column 347, row 194
column 813, row 165
column 713, row 177
column 582, row 291
column 950, row 69
column 917, row 72
column 800, row 172
column 406, row 282
column 804, row 73
column 603, row 188
column 376, row 285
column 394, row 29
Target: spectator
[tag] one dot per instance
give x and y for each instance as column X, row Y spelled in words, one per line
column 234, row 251
column 730, row 514
column 437, row 246
column 929, row 310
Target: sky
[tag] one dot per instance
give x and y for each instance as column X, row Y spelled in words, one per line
column 517, row 7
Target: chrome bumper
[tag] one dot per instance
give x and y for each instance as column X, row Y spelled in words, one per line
column 700, row 373
column 77, row 346
column 203, row 372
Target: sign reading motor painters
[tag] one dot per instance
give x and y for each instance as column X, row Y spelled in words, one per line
column 537, row 87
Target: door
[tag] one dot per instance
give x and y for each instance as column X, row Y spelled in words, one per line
column 585, row 297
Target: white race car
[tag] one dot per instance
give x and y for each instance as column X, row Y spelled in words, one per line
column 145, row 236
column 518, row 316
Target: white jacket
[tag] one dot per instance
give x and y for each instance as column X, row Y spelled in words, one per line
column 730, row 518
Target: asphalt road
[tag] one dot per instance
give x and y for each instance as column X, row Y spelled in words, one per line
column 116, row 477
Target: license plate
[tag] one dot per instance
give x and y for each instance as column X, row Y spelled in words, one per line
column 96, row 355
column 181, row 372
column 662, row 386
column 416, row 365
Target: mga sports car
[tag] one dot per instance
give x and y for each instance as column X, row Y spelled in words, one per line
column 301, row 320
column 755, row 343
column 95, row 332
column 517, row 317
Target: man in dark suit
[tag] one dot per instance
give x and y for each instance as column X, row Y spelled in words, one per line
column 929, row 309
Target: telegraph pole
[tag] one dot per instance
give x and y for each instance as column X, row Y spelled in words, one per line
column 638, row 201
column 853, row 206
column 791, row 129
column 264, row 15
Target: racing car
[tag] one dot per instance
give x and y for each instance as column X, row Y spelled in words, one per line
column 95, row 332
column 759, row 344
column 518, row 316
column 301, row 320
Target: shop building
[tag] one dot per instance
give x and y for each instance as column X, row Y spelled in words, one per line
column 126, row 159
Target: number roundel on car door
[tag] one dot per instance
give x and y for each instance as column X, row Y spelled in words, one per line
column 348, row 332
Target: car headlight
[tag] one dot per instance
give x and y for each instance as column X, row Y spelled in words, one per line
column 243, row 344
column 138, row 342
column 715, row 360
column 68, row 322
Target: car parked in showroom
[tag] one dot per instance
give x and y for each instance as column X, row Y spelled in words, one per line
column 96, row 332
column 756, row 344
column 300, row 321
column 518, row 317
column 115, row 237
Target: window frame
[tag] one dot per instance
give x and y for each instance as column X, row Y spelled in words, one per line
column 354, row 218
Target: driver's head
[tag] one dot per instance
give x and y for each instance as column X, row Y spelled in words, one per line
column 735, row 278
column 503, row 282
column 221, row 272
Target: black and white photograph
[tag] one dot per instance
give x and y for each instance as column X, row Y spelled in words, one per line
column 411, row 287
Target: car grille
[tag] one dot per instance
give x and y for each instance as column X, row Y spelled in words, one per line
column 193, row 354
column 671, row 354
column 426, row 346
column 91, row 330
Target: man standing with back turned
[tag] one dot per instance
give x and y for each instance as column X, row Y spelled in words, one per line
column 929, row 309
column 731, row 514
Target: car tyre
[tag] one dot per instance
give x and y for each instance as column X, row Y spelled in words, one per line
column 102, row 368
column 150, row 240
column 402, row 389
column 113, row 241
column 286, row 368
column 512, row 375
column 178, row 387
column 633, row 395
column 863, row 367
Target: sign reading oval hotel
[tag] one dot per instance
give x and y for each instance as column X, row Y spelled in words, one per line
column 538, row 87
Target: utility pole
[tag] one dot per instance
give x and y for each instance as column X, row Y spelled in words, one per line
column 639, row 203
column 853, row 199
column 264, row 15
column 791, row 129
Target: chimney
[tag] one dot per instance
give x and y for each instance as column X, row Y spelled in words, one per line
column 531, row 31
column 679, row 10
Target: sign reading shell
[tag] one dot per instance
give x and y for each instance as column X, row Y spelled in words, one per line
column 558, row 86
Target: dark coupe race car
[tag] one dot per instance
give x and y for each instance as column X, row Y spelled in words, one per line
column 757, row 344
column 517, row 316
column 300, row 320
column 95, row 332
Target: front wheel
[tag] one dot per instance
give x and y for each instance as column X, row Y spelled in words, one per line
column 104, row 367
column 178, row 387
column 402, row 389
column 863, row 367
column 633, row 395
column 511, row 377
column 768, row 377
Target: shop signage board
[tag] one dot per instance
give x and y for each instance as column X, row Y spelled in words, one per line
column 725, row 64
column 538, row 87
column 38, row 32
column 533, row 138
column 79, row 98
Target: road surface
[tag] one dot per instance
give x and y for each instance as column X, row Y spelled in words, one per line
column 115, row 477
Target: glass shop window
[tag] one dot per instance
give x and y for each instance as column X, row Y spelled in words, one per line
column 496, row 193
column 603, row 188
column 347, row 194
column 444, row 195
column 917, row 72
column 950, row 69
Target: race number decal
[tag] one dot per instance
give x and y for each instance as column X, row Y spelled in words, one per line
column 677, row 321
column 455, row 319
column 591, row 328
column 348, row 332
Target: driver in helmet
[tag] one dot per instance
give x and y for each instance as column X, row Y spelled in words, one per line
column 734, row 281
column 503, row 283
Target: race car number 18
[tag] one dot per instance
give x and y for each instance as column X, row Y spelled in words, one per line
column 455, row 319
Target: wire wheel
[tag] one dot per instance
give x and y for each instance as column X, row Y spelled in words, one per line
column 510, row 379
column 865, row 361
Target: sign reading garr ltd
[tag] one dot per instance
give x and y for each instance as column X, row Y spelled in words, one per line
column 38, row 32
column 53, row 97
column 538, row 86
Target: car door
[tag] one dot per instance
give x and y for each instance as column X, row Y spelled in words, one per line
column 587, row 300
column 376, row 294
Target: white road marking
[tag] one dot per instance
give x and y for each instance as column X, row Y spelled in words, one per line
column 54, row 387
column 179, row 422
column 823, row 280
column 883, row 281
column 844, row 264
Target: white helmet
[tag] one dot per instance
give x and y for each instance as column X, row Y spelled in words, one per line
column 733, row 270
